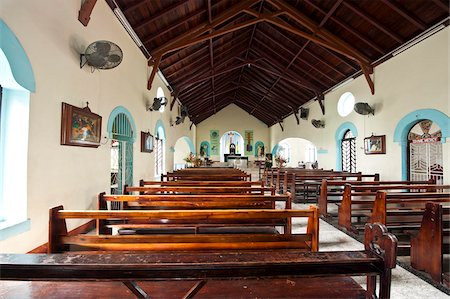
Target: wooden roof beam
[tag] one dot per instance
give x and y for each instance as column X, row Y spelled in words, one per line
column 268, row 112
column 194, row 72
column 305, row 83
column 329, row 38
column 136, row 5
column 211, row 56
column 204, row 27
column 155, row 17
column 214, row 34
column 150, row 38
column 304, row 45
column 199, row 102
column 188, row 55
column 194, row 32
column 374, row 22
column 296, row 56
column 222, row 71
column 308, row 77
column 348, row 28
column 200, row 88
column 336, row 44
column 272, row 106
column 249, row 45
column 84, row 15
column 442, row 5
column 405, row 14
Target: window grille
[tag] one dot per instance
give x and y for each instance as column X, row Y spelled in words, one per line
column 159, row 156
column 348, row 148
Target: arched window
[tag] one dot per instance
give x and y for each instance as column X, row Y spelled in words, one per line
column 348, row 149
column 229, row 142
column 121, row 130
column 160, row 137
column 16, row 83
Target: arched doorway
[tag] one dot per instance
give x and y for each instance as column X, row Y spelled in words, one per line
column 182, row 148
column 122, row 132
column 297, row 152
column 425, row 152
column 405, row 125
column 231, row 143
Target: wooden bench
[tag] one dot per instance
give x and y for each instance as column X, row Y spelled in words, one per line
column 358, row 202
column 331, row 191
column 304, row 184
column 59, row 241
column 376, row 260
column 205, row 177
column 143, row 183
column 207, row 201
column 275, row 176
column 198, row 190
column 432, row 242
column 202, row 174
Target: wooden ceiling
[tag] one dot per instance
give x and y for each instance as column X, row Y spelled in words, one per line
column 270, row 56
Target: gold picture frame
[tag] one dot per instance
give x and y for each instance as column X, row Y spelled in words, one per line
column 80, row 127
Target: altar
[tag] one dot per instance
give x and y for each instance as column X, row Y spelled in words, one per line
column 237, row 161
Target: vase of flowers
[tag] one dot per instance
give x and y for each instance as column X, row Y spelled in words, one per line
column 280, row 161
column 193, row 161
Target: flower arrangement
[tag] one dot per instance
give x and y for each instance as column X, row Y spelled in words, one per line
column 280, row 160
column 193, row 160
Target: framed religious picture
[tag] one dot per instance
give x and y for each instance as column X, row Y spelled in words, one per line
column 375, row 145
column 146, row 142
column 80, row 127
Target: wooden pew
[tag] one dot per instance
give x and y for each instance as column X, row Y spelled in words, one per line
column 359, row 201
column 207, row 174
column 198, row 190
column 59, row 240
column 335, row 189
column 275, row 175
column 303, row 184
column 432, row 242
column 189, row 202
column 143, row 183
column 376, row 260
column 205, row 177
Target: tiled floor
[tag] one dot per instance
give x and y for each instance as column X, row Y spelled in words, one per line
column 404, row 283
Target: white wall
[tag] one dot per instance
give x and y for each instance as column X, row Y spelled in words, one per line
column 53, row 37
column 181, row 151
column 415, row 79
column 233, row 118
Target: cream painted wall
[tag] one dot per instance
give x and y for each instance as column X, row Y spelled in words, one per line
column 232, row 118
column 415, row 79
column 182, row 150
column 53, row 38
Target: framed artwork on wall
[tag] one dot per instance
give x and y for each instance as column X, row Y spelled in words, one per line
column 146, row 142
column 375, row 145
column 80, row 127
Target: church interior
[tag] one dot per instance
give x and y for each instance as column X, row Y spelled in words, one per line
column 224, row 149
